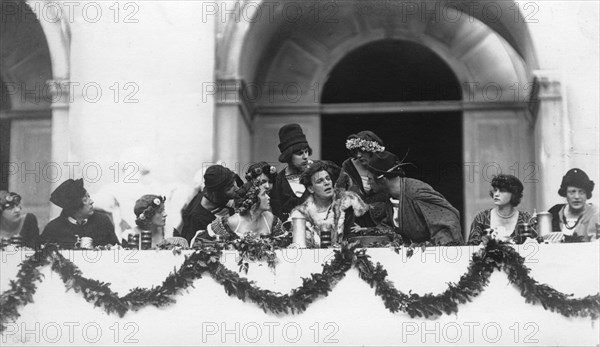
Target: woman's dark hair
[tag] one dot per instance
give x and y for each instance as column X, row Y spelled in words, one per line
column 257, row 169
column 145, row 208
column 510, row 184
column 286, row 156
column 317, row 166
column 9, row 200
column 247, row 197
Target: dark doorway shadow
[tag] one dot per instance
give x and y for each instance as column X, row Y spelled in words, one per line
column 399, row 71
column 433, row 143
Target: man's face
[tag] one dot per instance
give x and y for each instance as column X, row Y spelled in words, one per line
column 230, row 191
column 383, row 184
column 322, row 186
column 373, row 182
column 299, row 159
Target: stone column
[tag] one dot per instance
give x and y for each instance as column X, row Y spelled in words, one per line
column 233, row 125
column 59, row 91
column 552, row 138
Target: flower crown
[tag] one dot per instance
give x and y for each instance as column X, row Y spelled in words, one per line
column 364, row 145
column 151, row 209
column 259, row 171
column 12, row 200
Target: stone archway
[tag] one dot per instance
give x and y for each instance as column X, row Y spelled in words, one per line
column 34, row 71
column 393, row 71
column 283, row 64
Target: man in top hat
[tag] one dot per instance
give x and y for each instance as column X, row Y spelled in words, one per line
column 287, row 191
column 77, row 218
column 219, row 189
column 415, row 210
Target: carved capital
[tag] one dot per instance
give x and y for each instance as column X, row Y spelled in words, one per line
column 59, row 92
column 550, row 86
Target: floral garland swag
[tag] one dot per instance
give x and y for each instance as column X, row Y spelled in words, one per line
column 494, row 256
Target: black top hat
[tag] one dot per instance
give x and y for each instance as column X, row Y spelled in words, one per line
column 291, row 139
column 576, row 178
column 217, row 176
column 385, row 164
column 68, row 194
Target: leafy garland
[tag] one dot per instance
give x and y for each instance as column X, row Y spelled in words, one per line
column 494, row 256
column 252, row 249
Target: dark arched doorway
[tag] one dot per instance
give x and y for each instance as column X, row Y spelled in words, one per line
column 399, row 89
column 25, row 114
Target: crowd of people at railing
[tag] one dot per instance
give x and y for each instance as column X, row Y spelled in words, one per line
column 368, row 196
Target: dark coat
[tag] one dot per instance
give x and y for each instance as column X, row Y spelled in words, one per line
column 195, row 217
column 283, row 199
column 424, row 215
column 63, row 232
column 30, row 231
column 554, row 211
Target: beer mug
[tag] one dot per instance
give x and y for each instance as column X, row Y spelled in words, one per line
column 523, row 232
column 133, row 241
column 325, row 235
column 299, row 229
column 146, row 240
column 16, row 240
column 84, row 242
column 542, row 222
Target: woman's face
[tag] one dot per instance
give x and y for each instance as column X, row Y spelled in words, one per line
column 264, row 203
column 299, row 159
column 576, row 198
column 12, row 214
column 501, row 196
column 322, row 187
column 160, row 216
column 363, row 157
column 264, row 182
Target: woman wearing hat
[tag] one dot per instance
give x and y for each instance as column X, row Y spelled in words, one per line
column 77, row 218
column 327, row 208
column 150, row 216
column 252, row 219
column 415, row 210
column 504, row 218
column 15, row 223
column 287, row 191
column 219, row 189
column 576, row 219
column 354, row 174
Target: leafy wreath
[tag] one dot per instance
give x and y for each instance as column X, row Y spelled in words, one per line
column 494, row 256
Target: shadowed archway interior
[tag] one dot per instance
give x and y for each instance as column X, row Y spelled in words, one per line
column 399, row 71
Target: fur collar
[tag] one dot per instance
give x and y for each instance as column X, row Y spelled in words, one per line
column 342, row 200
